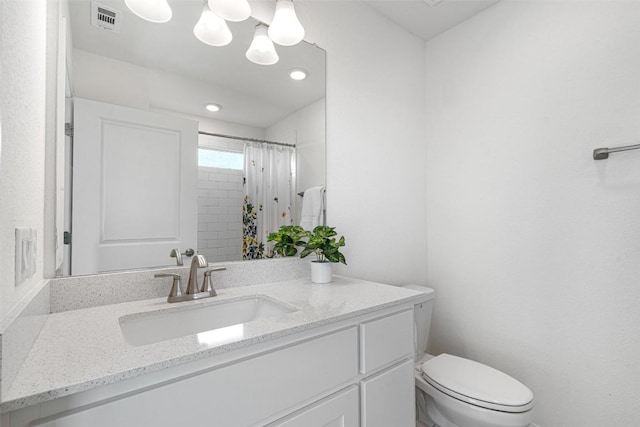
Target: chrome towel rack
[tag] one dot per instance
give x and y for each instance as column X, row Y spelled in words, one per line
column 603, row 153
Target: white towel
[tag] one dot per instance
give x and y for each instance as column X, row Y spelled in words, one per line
column 312, row 207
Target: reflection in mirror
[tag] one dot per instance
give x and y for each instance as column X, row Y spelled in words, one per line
column 177, row 144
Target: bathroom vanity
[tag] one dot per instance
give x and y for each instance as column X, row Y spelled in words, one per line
column 338, row 354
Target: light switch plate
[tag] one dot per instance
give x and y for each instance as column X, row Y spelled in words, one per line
column 26, row 252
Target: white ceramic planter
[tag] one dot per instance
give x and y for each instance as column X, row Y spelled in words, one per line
column 321, row 271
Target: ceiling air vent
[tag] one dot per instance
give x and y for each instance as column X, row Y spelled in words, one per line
column 105, row 17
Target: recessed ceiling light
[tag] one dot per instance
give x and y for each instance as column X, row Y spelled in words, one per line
column 213, row 107
column 298, row 74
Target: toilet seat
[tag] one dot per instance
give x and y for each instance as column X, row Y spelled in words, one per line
column 477, row 384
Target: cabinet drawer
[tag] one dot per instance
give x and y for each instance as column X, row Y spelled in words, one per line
column 241, row 394
column 341, row 409
column 386, row 340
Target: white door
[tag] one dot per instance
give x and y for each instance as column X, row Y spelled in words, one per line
column 134, row 187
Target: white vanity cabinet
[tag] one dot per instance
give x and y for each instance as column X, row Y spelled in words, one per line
column 387, row 396
column 356, row 372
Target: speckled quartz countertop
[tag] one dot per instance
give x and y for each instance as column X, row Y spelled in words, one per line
column 82, row 349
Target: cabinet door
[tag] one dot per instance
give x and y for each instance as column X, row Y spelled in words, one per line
column 338, row 410
column 388, row 398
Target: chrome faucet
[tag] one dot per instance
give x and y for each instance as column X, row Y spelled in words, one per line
column 198, row 261
column 192, row 292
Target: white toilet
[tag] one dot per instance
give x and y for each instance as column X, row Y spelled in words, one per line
column 456, row 392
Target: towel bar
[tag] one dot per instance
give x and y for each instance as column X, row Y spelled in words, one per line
column 301, row 194
column 603, row 153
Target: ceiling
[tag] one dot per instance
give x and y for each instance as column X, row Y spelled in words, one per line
column 250, row 94
column 190, row 74
column 428, row 18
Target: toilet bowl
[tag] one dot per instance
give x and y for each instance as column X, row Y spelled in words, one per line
column 455, row 392
column 462, row 393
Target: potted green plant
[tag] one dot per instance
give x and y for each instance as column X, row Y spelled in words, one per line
column 322, row 242
column 287, row 238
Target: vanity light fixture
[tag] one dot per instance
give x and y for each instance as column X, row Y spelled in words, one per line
column 157, row 11
column 211, row 29
column 213, row 107
column 231, row 10
column 285, row 28
column 298, row 74
column 262, row 51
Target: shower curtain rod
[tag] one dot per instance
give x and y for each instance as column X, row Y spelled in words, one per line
column 282, row 144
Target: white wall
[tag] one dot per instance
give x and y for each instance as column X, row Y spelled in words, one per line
column 534, row 247
column 375, row 149
column 22, row 109
column 226, row 128
column 375, row 137
column 117, row 82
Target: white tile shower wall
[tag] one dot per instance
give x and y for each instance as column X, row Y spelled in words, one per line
column 220, row 193
column 220, row 214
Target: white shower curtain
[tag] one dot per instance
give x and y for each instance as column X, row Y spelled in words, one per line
column 269, row 195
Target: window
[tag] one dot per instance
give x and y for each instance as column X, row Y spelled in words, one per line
column 213, row 158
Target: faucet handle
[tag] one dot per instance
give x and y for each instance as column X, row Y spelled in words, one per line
column 175, row 253
column 176, row 286
column 207, row 283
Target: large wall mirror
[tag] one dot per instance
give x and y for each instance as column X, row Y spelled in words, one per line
column 148, row 168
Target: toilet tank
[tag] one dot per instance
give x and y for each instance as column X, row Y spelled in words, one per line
column 422, row 317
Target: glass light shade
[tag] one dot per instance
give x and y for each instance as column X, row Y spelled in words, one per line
column 285, row 29
column 231, row 10
column 157, row 11
column 262, row 51
column 211, row 29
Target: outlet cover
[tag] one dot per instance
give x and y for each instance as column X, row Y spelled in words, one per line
column 26, row 252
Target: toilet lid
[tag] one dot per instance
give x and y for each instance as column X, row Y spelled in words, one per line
column 477, row 384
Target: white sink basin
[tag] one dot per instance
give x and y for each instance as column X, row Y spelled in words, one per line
column 216, row 323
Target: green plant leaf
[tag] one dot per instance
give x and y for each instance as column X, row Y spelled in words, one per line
column 290, row 251
column 323, row 243
column 287, row 238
